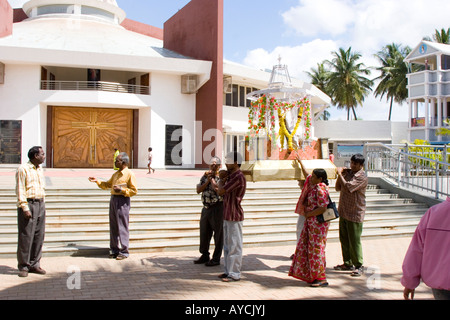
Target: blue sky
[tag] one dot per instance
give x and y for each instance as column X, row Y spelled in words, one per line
column 243, row 20
column 305, row 32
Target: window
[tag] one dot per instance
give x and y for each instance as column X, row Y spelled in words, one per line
column 237, row 96
column 91, row 11
column 57, row 8
column 174, row 145
column 235, row 143
column 445, row 62
column 242, row 96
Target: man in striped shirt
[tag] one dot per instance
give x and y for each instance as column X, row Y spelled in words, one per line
column 233, row 191
column 30, row 191
column 352, row 183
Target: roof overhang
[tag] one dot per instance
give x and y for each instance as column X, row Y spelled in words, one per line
column 426, row 49
column 62, row 58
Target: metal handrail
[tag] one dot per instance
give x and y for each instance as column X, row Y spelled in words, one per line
column 408, row 169
column 94, row 86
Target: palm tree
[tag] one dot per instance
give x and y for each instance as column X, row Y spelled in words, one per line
column 442, row 36
column 347, row 85
column 319, row 77
column 325, row 115
column 393, row 70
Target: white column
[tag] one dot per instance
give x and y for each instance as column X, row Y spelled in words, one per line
column 427, row 83
column 444, row 109
column 416, row 108
column 439, row 112
column 432, row 112
column 410, row 112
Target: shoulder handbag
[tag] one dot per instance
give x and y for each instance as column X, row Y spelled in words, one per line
column 331, row 213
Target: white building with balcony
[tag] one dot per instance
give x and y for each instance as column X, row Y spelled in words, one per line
column 76, row 80
column 429, row 92
column 79, row 84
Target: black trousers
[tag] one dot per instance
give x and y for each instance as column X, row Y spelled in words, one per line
column 211, row 223
column 31, row 236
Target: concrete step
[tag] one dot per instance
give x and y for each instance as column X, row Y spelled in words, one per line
column 168, row 219
column 93, row 245
column 9, row 209
column 164, row 227
column 180, row 200
column 76, row 218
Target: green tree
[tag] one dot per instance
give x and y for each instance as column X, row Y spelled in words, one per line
column 444, row 131
column 347, row 83
column 320, row 77
column 442, row 36
column 393, row 81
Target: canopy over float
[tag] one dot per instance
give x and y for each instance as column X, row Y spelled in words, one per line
column 280, row 123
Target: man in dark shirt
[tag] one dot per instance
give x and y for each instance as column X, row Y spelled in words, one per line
column 233, row 191
column 211, row 220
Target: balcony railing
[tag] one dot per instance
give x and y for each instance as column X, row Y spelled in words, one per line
column 428, row 82
column 94, row 86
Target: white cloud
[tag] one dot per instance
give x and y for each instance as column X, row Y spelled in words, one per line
column 312, row 17
column 298, row 58
column 368, row 25
column 364, row 25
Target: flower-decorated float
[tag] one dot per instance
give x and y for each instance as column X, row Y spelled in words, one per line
column 281, row 132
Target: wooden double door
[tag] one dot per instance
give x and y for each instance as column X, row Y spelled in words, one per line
column 86, row 137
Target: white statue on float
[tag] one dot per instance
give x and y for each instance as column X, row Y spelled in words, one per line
column 280, row 128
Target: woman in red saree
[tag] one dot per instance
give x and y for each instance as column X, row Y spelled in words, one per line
column 309, row 260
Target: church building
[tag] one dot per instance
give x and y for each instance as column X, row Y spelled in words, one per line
column 80, row 79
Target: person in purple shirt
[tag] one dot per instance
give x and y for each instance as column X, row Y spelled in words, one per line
column 428, row 255
column 233, row 191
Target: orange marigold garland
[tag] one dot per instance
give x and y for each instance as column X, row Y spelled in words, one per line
column 262, row 119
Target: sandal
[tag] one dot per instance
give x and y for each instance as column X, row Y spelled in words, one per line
column 229, row 279
column 358, row 272
column 344, row 267
column 319, row 283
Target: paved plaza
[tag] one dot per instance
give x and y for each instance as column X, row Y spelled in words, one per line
column 174, row 276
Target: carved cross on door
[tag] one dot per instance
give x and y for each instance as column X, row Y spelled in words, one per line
column 93, row 126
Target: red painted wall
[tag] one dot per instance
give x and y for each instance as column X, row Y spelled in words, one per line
column 19, row 15
column 143, row 28
column 197, row 31
column 6, row 18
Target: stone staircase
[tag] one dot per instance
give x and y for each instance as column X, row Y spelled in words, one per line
column 167, row 219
